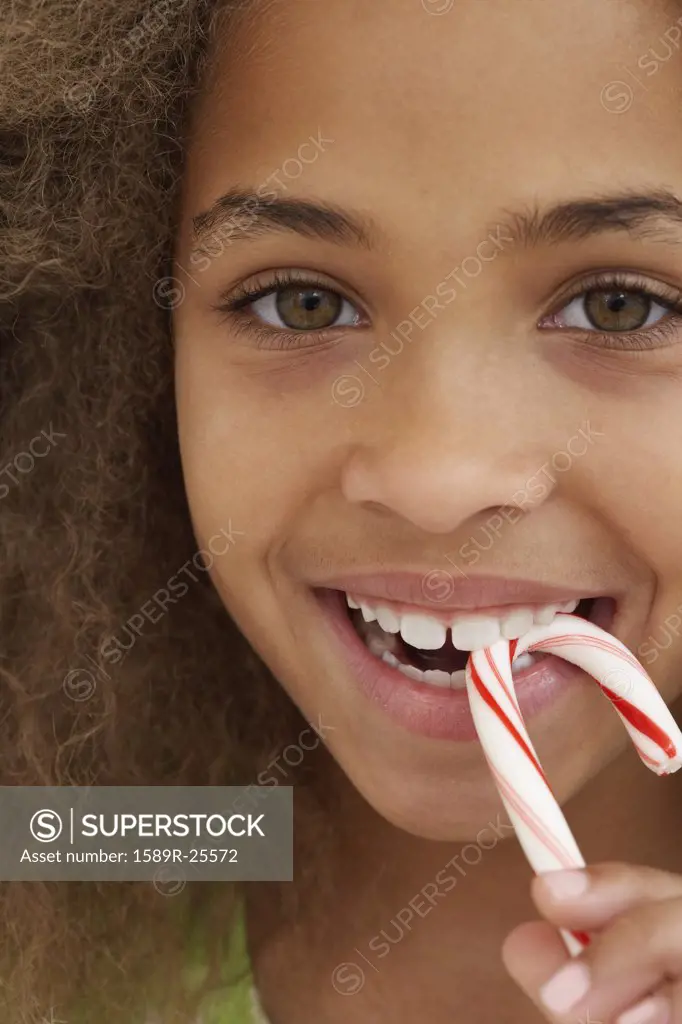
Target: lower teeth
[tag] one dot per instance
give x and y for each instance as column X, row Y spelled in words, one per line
column 435, row 677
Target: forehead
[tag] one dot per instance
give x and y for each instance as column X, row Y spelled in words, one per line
column 469, row 102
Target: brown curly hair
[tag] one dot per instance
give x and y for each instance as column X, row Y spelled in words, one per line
column 94, row 100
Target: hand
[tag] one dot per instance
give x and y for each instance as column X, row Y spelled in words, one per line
column 631, row 973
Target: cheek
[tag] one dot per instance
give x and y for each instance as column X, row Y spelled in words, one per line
column 661, row 651
column 241, row 450
column 253, row 457
column 635, row 475
column 632, row 473
column 261, row 433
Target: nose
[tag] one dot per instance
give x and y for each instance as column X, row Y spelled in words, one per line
column 439, row 458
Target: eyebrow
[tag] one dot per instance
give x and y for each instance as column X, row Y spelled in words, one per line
column 648, row 215
column 242, row 214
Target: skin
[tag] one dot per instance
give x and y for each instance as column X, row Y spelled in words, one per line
column 454, row 120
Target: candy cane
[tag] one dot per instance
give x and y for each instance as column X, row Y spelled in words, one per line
column 540, row 824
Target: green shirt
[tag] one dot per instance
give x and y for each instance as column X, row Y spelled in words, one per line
column 234, row 1002
column 237, row 1002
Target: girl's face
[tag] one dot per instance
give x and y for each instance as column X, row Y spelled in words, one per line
column 429, row 361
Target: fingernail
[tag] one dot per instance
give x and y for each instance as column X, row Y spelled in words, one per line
column 566, row 988
column 654, row 1010
column 566, row 885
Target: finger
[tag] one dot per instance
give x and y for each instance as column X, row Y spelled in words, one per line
column 657, row 1008
column 589, row 898
column 532, row 953
column 633, row 957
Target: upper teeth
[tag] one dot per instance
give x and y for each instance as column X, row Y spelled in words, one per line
column 470, row 632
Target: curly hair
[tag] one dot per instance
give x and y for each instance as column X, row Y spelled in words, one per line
column 94, row 100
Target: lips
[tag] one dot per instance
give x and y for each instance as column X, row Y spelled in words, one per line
column 440, row 593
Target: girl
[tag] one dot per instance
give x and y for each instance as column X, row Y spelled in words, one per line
column 387, row 296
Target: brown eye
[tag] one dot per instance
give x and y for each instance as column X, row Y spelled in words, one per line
column 617, row 310
column 294, row 305
column 620, row 314
column 613, row 310
column 301, row 308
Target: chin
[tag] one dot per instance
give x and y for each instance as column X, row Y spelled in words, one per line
column 452, row 807
column 442, row 823
column 444, row 791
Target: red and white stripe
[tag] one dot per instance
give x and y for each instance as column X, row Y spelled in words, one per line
column 540, row 824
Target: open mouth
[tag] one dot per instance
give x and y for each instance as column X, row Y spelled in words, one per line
column 433, row 652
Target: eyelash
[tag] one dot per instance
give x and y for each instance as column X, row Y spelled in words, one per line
column 234, row 308
column 644, row 338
